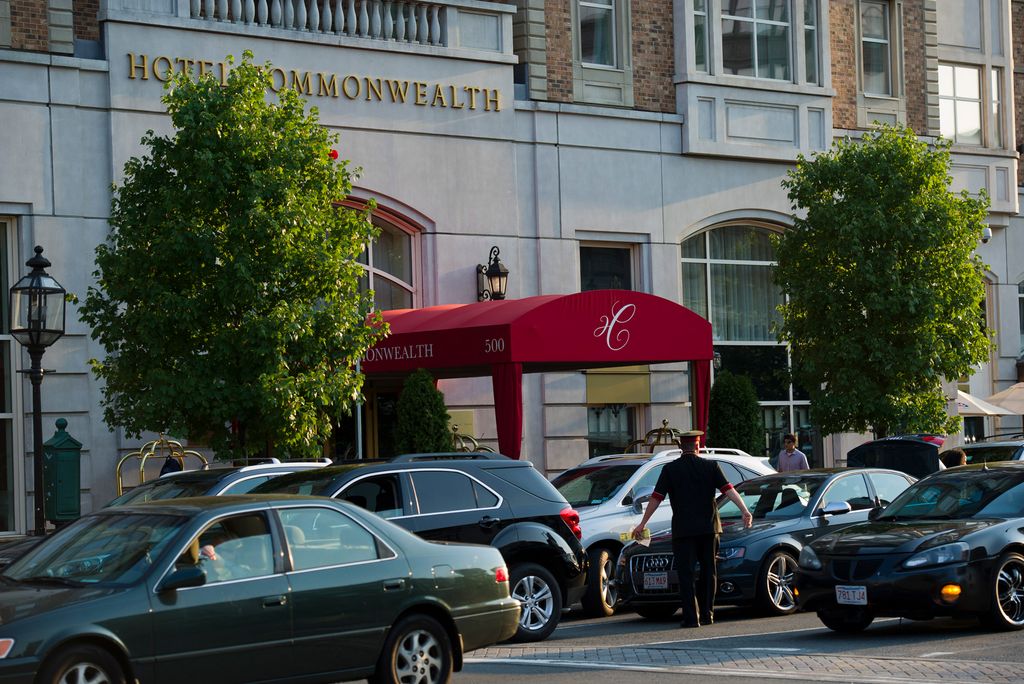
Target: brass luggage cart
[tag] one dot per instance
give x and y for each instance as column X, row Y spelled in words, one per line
column 159, row 448
column 658, row 439
column 468, row 443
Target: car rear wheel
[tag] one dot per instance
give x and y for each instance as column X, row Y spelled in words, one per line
column 601, row 595
column 541, row 599
column 81, row 665
column 418, row 651
column 775, row 584
column 1007, row 610
column 656, row 612
column 846, row 621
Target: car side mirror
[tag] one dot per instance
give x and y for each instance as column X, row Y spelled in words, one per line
column 640, row 498
column 835, row 508
column 180, row 579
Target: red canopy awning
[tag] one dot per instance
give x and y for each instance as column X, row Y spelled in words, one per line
column 503, row 339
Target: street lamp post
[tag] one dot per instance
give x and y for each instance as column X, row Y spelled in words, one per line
column 37, row 321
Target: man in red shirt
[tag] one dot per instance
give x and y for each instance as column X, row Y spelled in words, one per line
column 692, row 482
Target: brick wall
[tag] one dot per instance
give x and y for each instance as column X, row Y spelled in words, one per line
column 30, row 28
column 558, row 17
column 653, row 60
column 842, row 17
column 87, row 26
column 915, row 67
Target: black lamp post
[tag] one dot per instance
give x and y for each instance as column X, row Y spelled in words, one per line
column 37, row 321
column 492, row 279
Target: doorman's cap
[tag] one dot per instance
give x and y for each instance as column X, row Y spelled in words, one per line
column 692, row 434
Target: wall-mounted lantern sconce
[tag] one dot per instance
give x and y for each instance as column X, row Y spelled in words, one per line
column 716, row 361
column 492, row 279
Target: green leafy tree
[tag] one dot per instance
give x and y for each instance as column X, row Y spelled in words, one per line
column 734, row 416
column 227, row 292
column 884, row 288
column 422, row 420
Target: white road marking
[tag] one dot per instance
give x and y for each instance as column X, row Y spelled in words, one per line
column 758, row 634
column 564, row 663
column 771, row 649
column 934, row 654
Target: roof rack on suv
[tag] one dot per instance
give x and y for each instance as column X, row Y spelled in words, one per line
column 450, row 456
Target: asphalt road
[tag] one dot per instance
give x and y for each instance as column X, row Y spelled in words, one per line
column 743, row 649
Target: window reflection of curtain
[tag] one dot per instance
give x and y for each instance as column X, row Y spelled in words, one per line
column 743, row 301
column 695, row 290
column 597, row 39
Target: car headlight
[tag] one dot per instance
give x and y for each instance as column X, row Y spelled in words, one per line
column 808, row 559
column 5, row 647
column 731, row 553
column 940, row 555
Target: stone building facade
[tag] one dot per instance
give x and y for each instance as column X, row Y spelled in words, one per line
column 597, row 143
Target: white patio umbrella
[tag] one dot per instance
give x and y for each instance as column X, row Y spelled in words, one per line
column 1011, row 398
column 970, row 405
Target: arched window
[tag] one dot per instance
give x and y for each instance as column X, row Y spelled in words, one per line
column 390, row 268
column 727, row 279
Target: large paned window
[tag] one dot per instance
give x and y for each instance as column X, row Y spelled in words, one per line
column 756, row 37
column 727, row 278
column 975, row 73
column 811, row 59
column 606, row 268
column 876, row 48
column 597, row 32
column 700, row 34
column 602, row 64
column 960, row 103
column 390, row 269
column 996, row 101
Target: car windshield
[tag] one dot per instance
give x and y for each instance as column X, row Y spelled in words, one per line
column 774, row 497
column 164, row 488
column 970, row 494
column 592, row 485
column 995, row 452
column 98, row 549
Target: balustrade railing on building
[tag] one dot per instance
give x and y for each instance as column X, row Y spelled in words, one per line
column 459, row 24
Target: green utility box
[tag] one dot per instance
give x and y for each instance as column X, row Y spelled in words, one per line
column 62, row 478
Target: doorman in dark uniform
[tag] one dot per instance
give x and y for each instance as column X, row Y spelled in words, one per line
column 692, row 483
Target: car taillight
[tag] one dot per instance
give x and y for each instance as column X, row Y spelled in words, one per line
column 501, row 574
column 572, row 519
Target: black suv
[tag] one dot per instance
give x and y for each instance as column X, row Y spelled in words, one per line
column 475, row 498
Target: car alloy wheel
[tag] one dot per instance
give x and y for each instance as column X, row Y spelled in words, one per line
column 602, row 594
column 777, row 584
column 417, row 651
column 540, row 600
column 81, row 665
column 1008, row 609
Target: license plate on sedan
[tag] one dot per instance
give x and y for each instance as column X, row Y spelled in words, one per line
column 655, row 580
column 851, row 595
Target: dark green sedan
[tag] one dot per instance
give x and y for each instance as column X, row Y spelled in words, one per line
column 247, row 589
